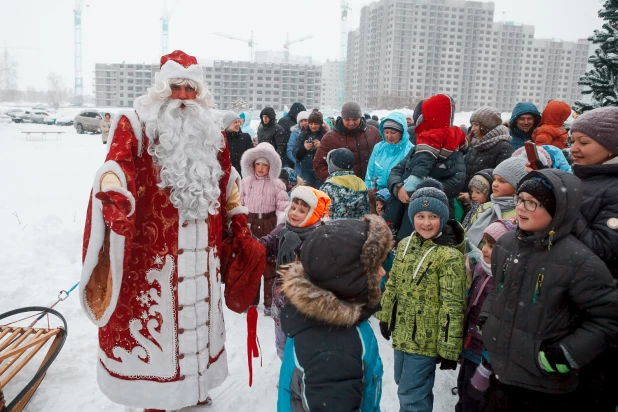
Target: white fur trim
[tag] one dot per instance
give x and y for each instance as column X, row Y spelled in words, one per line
column 162, row 395
column 174, row 70
column 306, row 195
column 97, row 237
column 124, row 192
column 265, row 150
column 131, row 115
column 238, row 210
column 234, row 178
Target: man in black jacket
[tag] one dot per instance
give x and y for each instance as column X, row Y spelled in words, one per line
column 237, row 141
column 269, row 131
column 287, row 122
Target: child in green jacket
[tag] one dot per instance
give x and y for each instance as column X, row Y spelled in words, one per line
column 425, row 298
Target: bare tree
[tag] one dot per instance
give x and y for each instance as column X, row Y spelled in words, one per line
column 56, row 91
column 8, row 77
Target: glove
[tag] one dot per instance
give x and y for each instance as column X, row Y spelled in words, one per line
column 240, row 226
column 385, row 331
column 116, row 208
column 446, row 364
column 481, row 322
column 552, row 359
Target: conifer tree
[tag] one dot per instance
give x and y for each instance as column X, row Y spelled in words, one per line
column 602, row 81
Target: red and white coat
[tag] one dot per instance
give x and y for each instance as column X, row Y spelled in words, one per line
column 161, row 329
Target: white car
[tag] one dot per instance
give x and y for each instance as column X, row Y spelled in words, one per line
column 4, row 118
column 38, row 116
column 64, row 120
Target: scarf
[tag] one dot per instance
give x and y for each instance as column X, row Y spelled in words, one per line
column 290, row 239
column 495, row 135
column 486, row 267
column 466, row 220
column 498, row 206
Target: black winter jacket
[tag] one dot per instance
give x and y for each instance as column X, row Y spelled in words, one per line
column 597, row 224
column 548, row 289
column 238, row 143
column 273, row 133
column 488, row 157
column 287, row 122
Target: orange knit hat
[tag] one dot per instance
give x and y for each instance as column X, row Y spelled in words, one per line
column 318, row 201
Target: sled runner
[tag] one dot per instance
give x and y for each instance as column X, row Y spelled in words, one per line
column 19, row 345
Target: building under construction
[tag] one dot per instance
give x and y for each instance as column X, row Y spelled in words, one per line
column 258, row 84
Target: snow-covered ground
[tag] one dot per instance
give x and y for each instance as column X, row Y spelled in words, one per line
column 42, row 209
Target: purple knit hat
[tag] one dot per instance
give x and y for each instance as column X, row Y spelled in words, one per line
column 500, row 227
column 600, row 125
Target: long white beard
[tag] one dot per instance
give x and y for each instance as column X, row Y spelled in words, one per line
column 187, row 148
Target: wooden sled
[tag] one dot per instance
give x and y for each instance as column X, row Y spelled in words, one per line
column 18, row 345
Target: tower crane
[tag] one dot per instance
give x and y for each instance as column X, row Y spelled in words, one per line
column 165, row 21
column 250, row 42
column 343, row 35
column 288, row 43
column 77, row 28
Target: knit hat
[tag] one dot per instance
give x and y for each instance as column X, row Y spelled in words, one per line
column 600, row 125
column 429, row 196
column 482, row 182
column 316, row 117
column 339, row 160
column 383, row 195
column 391, row 124
column 344, row 256
column 351, row 110
column 367, row 116
column 228, row 118
column 500, row 227
column 288, row 175
column 512, row 170
column 262, row 160
column 318, row 201
column 304, row 115
column 544, row 156
column 542, row 190
column 488, row 117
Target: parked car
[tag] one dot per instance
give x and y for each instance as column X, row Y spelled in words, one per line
column 4, row 118
column 88, row 121
column 64, row 120
column 19, row 116
column 50, row 119
column 38, row 116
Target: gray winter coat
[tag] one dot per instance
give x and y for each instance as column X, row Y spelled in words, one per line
column 548, row 289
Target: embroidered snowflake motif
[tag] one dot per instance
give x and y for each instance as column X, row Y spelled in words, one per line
column 144, row 315
column 158, row 260
column 144, row 299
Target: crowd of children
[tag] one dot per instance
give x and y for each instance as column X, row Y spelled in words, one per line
column 506, row 290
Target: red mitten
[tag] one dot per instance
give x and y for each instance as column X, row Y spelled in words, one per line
column 116, row 208
column 240, row 226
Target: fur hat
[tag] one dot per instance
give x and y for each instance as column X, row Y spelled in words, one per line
column 304, row 115
column 341, row 159
column 351, row 110
column 512, row 170
column 316, row 117
column 262, row 150
column 318, row 201
column 180, row 65
column 337, row 279
column 429, row 196
column 600, row 125
column 228, row 118
column 488, row 117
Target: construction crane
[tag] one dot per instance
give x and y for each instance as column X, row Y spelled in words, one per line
column 165, row 21
column 250, row 42
column 343, row 36
column 288, row 43
column 77, row 22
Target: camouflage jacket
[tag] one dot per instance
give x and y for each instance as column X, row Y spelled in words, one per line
column 348, row 195
column 425, row 297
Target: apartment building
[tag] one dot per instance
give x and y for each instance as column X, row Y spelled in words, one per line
column 258, row 84
column 406, row 50
column 333, row 85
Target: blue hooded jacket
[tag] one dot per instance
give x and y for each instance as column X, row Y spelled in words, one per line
column 385, row 156
column 246, row 127
column 558, row 159
column 518, row 137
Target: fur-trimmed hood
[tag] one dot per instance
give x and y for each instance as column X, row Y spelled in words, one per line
column 338, row 281
column 265, row 150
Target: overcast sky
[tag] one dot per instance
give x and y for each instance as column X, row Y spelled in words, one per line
column 39, row 33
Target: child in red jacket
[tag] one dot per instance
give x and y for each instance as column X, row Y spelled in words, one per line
column 551, row 130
